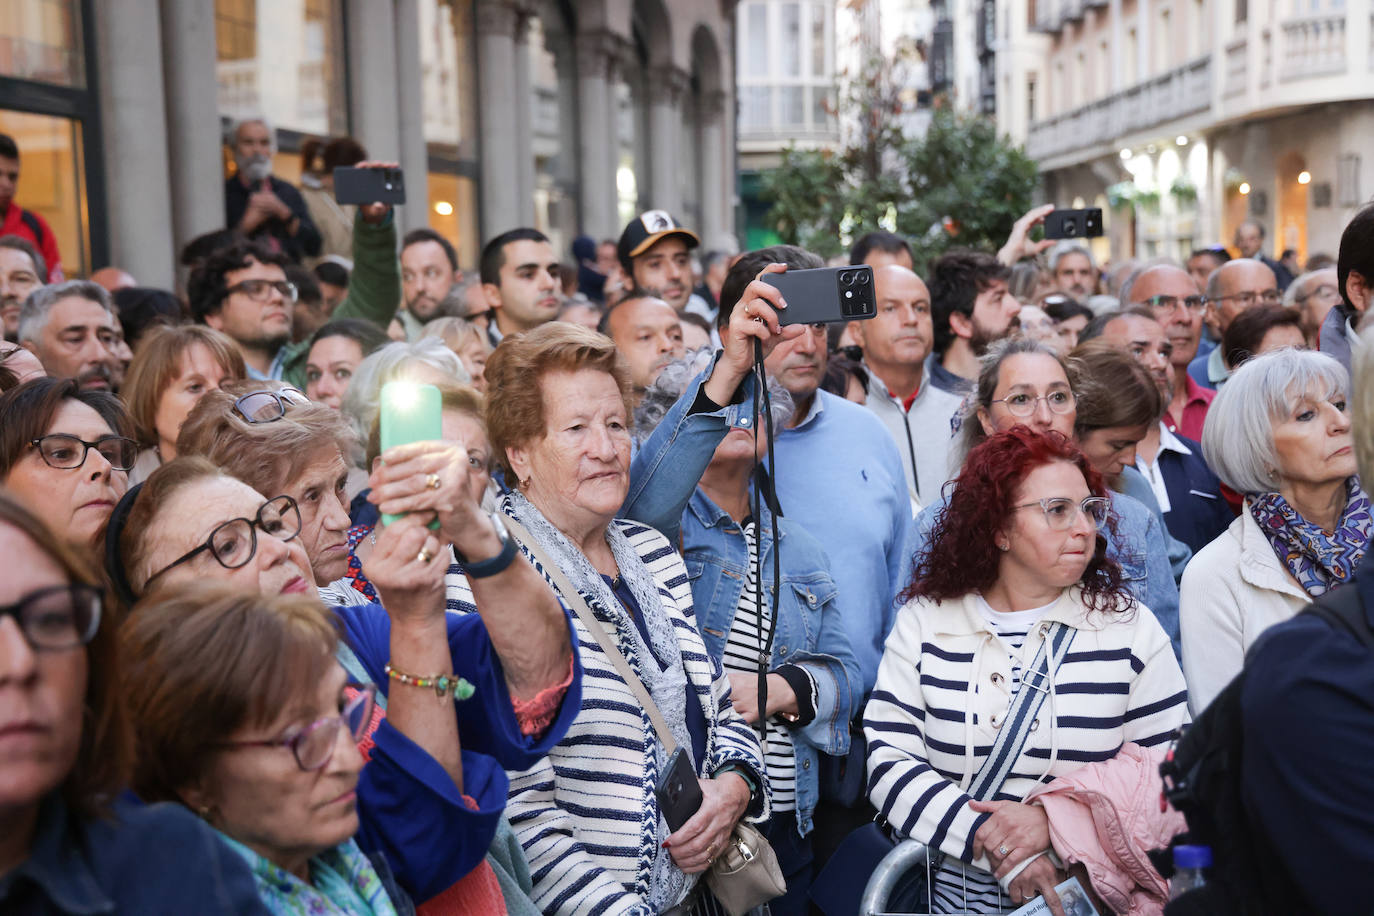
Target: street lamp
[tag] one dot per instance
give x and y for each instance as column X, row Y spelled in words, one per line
column 1304, row 177
column 1244, row 187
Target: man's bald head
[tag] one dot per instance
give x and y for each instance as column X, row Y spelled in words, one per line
column 1182, row 323
column 1236, row 286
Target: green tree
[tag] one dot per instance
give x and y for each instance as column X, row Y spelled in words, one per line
column 959, row 184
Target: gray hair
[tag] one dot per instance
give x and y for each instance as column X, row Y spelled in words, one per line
column 1065, row 248
column 388, row 364
column 672, row 383
column 40, row 266
column 234, row 127
column 1238, row 436
column 33, row 316
column 1297, row 292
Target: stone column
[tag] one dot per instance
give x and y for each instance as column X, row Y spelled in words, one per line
column 712, row 155
column 372, row 78
column 195, row 168
column 666, row 87
column 411, row 116
column 596, row 136
column 498, row 103
column 523, row 153
column 133, row 114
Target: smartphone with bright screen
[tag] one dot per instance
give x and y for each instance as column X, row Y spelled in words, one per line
column 409, row 413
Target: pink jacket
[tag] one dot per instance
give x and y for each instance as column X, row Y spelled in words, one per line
column 1106, row 816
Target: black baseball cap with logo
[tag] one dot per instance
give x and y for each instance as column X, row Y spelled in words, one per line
column 645, row 231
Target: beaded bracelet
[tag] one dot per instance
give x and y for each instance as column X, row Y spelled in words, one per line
column 445, row 685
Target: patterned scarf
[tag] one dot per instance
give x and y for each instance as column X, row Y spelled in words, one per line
column 1318, row 560
column 665, row 679
column 343, row 883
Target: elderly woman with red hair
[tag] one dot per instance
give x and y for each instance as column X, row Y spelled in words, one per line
column 1014, row 578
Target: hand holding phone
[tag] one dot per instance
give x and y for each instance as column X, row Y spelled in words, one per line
column 825, row 294
column 409, row 413
column 1074, row 224
column 678, row 791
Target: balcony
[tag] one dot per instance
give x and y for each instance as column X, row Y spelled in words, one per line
column 1237, row 68
column 1180, row 92
column 1313, row 46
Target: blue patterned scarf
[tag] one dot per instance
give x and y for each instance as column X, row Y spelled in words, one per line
column 343, row 883
column 1317, row 559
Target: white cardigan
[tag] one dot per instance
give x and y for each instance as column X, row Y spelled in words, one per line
column 943, row 690
column 1233, row 590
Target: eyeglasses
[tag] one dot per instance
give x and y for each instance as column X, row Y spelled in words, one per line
column 1061, row 513
column 1169, row 304
column 234, row 542
column 266, row 406
column 313, row 745
column 261, row 290
column 57, row 618
column 69, row 452
column 1023, row 405
column 1250, row 297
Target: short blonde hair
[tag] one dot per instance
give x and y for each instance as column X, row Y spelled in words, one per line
column 266, row 456
column 455, row 333
column 157, row 362
column 515, row 396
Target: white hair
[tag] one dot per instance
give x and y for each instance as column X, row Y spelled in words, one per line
column 33, row 315
column 237, row 124
column 388, row 364
column 1238, row 436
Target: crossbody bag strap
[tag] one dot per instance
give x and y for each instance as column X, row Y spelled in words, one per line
column 574, row 599
column 1025, row 706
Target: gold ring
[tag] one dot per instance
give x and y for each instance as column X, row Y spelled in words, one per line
column 433, row 481
column 424, row 556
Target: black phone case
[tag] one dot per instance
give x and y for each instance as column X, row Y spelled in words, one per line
column 826, row 295
column 1074, row 224
column 679, row 793
column 369, row 186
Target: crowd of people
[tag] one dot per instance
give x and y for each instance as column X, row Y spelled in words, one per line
column 964, row 568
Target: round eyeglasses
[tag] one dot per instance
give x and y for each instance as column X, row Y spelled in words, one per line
column 268, row 405
column 1062, row 513
column 313, row 744
column 57, row 618
column 1022, row 404
column 234, row 542
column 67, row 453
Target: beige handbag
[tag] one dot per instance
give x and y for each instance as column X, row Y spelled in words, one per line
column 746, row 873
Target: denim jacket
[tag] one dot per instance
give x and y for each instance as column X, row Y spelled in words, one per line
column 810, row 633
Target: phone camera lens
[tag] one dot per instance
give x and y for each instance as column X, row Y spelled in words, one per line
column 863, row 277
column 1070, row 230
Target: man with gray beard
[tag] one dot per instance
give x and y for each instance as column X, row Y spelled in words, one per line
column 260, row 206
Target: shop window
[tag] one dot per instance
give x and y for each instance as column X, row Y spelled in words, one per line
column 52, row 181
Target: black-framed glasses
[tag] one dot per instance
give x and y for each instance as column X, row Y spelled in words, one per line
column 56, row 618
column 1250, row 297
column 234, row 542
column 1061, row 513
column 67, row 452
column 313, row 744
column 261, row 290
column 266, row 406
column 1023, row 405
column 1167, row 305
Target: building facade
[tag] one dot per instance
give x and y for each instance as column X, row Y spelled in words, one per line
column 1183, row 118
column 569, row 115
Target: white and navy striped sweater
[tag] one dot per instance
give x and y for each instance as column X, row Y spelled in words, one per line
column 943, row 689
column 586, row 815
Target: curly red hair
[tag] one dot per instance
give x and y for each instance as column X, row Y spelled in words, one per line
column 961, row 556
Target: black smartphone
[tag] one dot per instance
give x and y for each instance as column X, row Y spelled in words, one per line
column 826, row 295
column 1074, row 224
column 369, row 186
column 679, row 793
